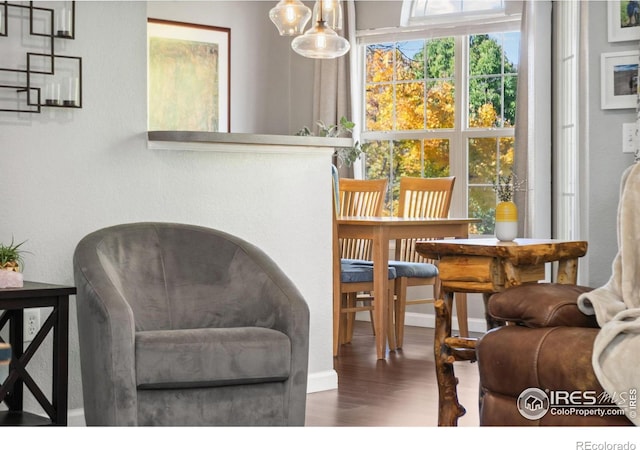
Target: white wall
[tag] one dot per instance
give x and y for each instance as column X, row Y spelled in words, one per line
column 372, row 14
column 606, row 162
column 66, row 173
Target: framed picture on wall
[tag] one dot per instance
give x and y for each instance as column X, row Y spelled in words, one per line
column 623, row 20
column 619, row 79
column 188, row 77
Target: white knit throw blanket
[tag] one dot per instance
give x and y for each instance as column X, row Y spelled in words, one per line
column 616, row 305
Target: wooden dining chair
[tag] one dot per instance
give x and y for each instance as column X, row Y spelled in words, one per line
column 364, row 198
column 352, row 268
column 360, row 198
column 423, row 198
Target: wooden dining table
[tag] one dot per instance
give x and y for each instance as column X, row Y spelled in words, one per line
column 382, row 230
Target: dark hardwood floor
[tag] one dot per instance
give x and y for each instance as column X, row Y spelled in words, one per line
column 398, row 391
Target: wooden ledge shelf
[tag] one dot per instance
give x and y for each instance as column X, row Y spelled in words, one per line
column 241, row 142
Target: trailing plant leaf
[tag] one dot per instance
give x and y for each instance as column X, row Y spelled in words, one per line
column 345, row 155
column 304, row 132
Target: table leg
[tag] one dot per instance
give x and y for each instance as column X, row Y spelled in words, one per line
column 568, row 271
column 60, row 362
column 449, row 408
column 15, row 397
column 381, row 288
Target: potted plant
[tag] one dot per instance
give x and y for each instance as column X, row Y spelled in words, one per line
column 506, row 210
column 11, row 264
column 345, row 155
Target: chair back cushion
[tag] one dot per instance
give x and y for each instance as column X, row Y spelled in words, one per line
column 176, row 276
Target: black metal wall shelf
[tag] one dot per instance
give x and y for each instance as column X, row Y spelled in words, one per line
column 44, row 79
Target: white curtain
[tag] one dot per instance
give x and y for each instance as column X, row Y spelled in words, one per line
column 333, row 81
column 533, row 121
column 521, row 164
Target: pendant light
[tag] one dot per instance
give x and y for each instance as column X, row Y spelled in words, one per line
column 320, row 41
column 290, row 17
column 331, row 13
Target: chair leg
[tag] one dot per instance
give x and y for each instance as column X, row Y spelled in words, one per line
column 461, row 312
column 437, row 289
column 337, row 318
column 391, row 332
column 373, row 326
column 350, row 318
column 400, row 309
column 342, row 322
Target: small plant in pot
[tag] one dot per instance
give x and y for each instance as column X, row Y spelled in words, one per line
column 506, row 210
column 11, row 264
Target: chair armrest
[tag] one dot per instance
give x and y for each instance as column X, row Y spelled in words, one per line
column 106, row 332
column 541, row 305
column 288, row 312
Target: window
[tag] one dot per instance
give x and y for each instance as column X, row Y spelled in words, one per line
column 432, row 11
column 440, row 106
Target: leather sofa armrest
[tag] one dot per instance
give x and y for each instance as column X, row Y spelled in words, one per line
column 541, row 305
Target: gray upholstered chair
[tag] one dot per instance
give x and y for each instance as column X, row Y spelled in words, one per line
column 184, row 325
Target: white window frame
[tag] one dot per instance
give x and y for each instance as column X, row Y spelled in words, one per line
column 459, row 135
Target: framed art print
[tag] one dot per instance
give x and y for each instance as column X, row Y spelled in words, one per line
column 623, row 20
column 619, row 79
column 188, row 76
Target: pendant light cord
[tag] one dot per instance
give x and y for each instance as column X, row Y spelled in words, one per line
column 320, row 7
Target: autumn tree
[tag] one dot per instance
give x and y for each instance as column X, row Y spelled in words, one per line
column 416, row 92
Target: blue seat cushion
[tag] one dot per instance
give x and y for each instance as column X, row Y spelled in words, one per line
column 356, row 271
column 414, row 270
column 357, row 262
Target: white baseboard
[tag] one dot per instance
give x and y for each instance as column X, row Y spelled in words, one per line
column 428, row 321
column 322, row 381
column 75, row 418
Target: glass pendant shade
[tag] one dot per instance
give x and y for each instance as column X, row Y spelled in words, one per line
column 320, row 42
column 290, row 17
column 331, row 13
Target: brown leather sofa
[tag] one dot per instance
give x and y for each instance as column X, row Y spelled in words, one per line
column 537, row 370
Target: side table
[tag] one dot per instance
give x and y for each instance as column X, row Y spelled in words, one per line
column 13, row 301
column 485, row 266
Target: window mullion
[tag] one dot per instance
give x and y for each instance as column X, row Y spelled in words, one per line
column 458, row 155
column 394, row 83
column 462, row 83
column 426, row 89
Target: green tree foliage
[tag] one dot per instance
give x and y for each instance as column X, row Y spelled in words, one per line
column 486, row 83
column 440, row 54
